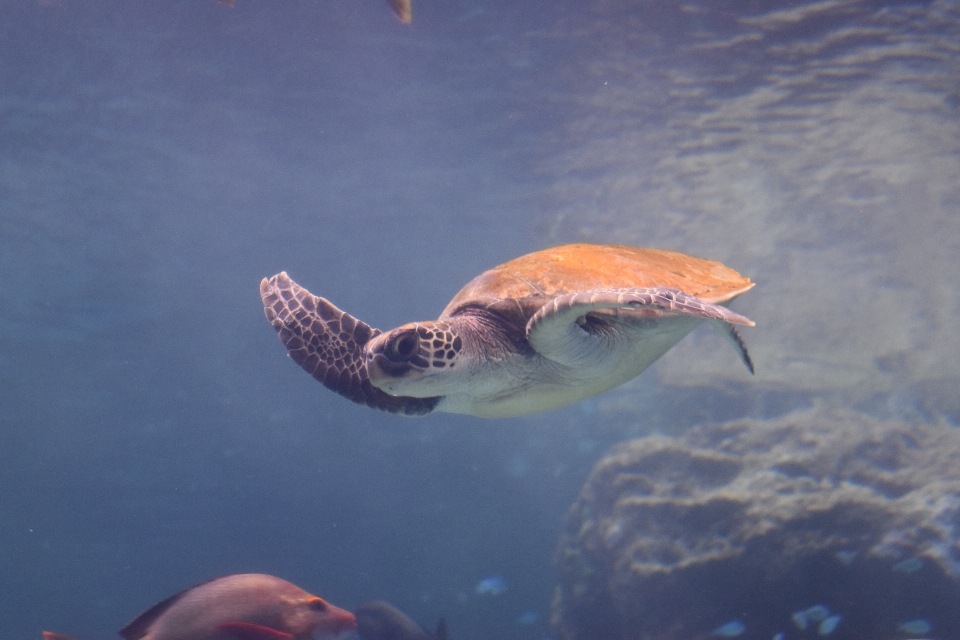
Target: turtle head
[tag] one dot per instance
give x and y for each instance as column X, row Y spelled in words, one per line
column 419, row 359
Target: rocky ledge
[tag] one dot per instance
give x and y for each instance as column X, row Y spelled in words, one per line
column 818, row 524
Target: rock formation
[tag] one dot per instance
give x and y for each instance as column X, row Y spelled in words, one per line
column 752, row 522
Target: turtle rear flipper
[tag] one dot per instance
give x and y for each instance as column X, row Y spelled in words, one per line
column 328, row 343
column 561, row 330
column 733, row 336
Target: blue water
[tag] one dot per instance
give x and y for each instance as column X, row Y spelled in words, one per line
column 158, row 158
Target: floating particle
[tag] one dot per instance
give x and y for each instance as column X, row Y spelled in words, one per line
column 517, row 466
column 614, row 534
column 916, row 626
column 493, row 586
column 829, row 624
column 732, row 629
column 910, row 565
column 586, row 445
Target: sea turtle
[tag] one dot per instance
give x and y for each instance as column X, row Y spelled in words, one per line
column 538, row 332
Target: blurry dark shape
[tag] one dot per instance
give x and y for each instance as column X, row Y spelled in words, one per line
column 402, row 8
column 379, row 620
column 247, row 606
column 757, row 521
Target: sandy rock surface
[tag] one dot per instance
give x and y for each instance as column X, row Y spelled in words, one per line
column 754, row 521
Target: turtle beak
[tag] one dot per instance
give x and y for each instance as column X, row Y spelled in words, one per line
column 382, row 372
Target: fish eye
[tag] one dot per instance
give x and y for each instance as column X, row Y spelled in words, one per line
column 318, row 604
column 402, row 346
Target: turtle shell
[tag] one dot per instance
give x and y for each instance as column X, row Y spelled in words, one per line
column 518, row 288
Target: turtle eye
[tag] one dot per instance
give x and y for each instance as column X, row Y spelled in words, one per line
column 402, row 346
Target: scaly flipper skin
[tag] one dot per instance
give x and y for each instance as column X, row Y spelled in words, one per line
column 328, row 343
column 552, row 329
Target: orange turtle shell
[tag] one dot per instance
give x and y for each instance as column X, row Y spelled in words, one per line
column 518, row 288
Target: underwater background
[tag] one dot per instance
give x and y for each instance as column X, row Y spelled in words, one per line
column 157, row 159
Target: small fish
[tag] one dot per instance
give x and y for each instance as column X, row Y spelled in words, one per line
column 910, row 565
column 829, row 624
column 800, row 619
column 247, row 606
column 493, row 586
column 780, row 636
column 845, row 557
column 528, row 617
column 816, row 613
column 732, row 629
column 378, row 620
column 916, row 626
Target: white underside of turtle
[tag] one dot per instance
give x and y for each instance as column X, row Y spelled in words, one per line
column 528, row 336
column 524, row 385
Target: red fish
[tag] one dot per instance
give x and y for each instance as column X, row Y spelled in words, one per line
column 247, row 606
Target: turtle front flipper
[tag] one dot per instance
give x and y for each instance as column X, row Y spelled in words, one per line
column 328, row 344
column 563, row 331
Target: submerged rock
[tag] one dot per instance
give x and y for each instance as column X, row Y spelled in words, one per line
column 673, row 537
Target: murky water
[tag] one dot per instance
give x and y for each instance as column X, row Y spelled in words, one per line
column 156, row 161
